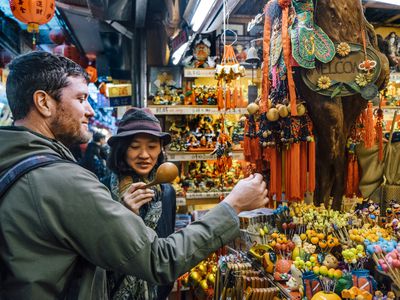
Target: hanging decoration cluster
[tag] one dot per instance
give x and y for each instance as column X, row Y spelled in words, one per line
column 278, row 131
column 33, row 13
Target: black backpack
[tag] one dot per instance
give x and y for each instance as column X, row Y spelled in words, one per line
column 11, row 176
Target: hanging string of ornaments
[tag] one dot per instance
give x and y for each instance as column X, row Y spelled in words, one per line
column 229, row 95
column 279, row 139
column 33, row 13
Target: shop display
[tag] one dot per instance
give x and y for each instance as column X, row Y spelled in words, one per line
column 307, row 252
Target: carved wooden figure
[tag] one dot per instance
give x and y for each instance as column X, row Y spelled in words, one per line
column 343, row 21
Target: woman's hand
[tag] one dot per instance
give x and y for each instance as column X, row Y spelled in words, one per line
column 135, row 196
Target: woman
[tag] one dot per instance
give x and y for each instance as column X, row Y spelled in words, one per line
column 136, row 151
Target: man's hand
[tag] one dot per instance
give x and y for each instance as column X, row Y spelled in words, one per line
column 134, row 197
column 248, row 194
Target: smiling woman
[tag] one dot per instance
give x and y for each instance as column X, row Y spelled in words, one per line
column 136, row 153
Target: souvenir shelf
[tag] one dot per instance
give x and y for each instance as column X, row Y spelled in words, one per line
column 178, row 118
column 191, row 110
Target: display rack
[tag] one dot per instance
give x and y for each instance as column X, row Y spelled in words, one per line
column 189, row 156
column 191, row 110
column 166, row 113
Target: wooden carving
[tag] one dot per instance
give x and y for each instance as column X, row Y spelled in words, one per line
column 343, row 21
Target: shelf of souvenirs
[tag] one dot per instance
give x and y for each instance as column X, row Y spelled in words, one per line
column 190, row 156
column 202, row 72
column 192, row 110
column 199, row 198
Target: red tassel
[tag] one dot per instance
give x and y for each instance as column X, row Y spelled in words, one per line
column 220, row 98
column 311, row 166
column 241, row 98
column 278, row 175
column 295, row 172
column 246, row 142
column 303, row 168
column 228, row 98
column 379, row 132
column 288, row 194
column 350, row 177
column 235, row 98
column 356, row 176
column 193, row 97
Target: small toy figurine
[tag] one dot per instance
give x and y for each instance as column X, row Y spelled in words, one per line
column 378, row 295
column 390, row 296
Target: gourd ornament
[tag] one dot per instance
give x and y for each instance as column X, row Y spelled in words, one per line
column 325, row 296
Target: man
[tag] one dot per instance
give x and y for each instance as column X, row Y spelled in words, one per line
column 60, row 216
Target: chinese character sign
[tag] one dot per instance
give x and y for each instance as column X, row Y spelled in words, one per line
column 33, row 12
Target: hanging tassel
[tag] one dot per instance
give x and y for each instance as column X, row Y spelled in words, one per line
column 255, row 150
column 235, row 97
column 220, row 97
column 288, row 194
column 270, row 157
column 379, row 131
column 278, row 175
column 303, row 168
column 246, row 142
column 350, row 177
column 295, row 172
column 241, row 98
column 266, row 50
column 188, row 88
column 311, row 166
column 193, row 97
column 369, row 129
column 228, row 98
column 356, row 176
column 286, row 56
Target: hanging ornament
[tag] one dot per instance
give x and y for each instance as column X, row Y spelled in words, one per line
column 69, row 51
column 57, row 36
column 33, row 13
column 92, row 72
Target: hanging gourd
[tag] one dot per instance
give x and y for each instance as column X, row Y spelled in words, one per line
column 33, row 13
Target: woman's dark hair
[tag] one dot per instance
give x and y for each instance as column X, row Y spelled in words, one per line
column 116, row 159
column 38, row 71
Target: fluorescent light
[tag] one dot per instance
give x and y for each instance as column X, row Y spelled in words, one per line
column 201, row 13
column 176, row 57
column 394, row 2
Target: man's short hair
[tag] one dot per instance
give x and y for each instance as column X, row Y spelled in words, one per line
column 38, row 71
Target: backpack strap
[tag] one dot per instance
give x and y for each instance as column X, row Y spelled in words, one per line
column 24, row 166
column 10, row 177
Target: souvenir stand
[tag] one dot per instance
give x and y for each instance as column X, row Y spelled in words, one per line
column 306, row 140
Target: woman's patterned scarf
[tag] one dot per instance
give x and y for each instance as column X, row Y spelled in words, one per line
column 127, row 287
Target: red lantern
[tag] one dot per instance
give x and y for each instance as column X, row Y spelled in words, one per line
column 57, row 36
column 69, row 51
column 33, row 12
column 92, row 72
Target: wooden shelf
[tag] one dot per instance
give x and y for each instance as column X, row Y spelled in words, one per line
column 189, row 156
column 197, row 72
column 192, row 110
column 200, row 198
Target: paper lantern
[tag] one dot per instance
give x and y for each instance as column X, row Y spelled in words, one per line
column 33, row 12
column 57, row 36
column 69, row 51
